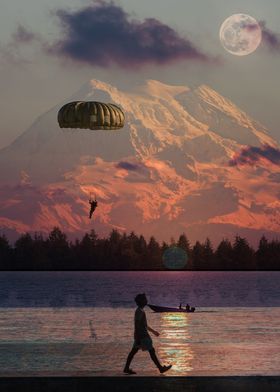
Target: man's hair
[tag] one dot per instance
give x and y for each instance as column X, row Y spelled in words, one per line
column 140, row 299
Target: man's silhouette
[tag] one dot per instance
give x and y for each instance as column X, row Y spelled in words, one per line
column 142, row 338
column 93, row 205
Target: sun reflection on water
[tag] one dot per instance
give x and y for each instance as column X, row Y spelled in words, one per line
column 174, row 342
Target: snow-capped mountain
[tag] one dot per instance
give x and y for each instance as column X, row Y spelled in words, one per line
column 165, row 173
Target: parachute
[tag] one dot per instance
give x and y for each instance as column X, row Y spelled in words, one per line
column 91, row 115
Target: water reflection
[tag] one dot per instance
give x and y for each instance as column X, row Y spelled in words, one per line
column 174, row 343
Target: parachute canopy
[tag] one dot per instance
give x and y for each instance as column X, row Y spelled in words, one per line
column 90, row 115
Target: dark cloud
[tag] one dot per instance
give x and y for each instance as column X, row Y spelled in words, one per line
column 275, row 177
column 22, row 35
column 269, row 38
column 251, row 155
column 250, row 26
column 12, row 52
column 130, row 166
column 103, row 34
column 137, row 171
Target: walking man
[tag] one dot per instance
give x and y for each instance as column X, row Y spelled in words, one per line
column 142, row 338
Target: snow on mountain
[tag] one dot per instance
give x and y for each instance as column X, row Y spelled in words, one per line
column 165, row 173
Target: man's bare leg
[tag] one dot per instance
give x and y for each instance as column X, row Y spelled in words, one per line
column 154, row 357
column 130, row 357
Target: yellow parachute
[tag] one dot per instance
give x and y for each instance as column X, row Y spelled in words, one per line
column 91, row 115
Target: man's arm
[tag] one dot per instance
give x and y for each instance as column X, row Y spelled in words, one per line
column 156, row 333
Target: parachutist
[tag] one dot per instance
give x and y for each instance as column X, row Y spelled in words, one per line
column 93, row 205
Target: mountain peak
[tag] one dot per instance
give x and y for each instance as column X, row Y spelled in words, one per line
column 158, row 89
column 99, row 85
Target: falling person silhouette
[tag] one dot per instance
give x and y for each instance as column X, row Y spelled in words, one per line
column 142, row 338
column 93, row 205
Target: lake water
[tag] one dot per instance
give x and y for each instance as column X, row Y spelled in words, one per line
column 117, row 289
column 81, row 323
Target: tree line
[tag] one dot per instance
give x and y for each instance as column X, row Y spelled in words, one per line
column 121, row 251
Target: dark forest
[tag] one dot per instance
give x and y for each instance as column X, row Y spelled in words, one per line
column 121, row 251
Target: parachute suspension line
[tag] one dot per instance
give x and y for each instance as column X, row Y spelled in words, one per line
column 67, row 145
column 70, row 136
column 90, row 196
column 80, row 142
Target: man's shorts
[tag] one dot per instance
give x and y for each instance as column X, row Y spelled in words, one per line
column 145, row 344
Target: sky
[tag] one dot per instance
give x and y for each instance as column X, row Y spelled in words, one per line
column 40, row 65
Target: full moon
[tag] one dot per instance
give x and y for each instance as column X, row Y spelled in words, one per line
column 240, row 34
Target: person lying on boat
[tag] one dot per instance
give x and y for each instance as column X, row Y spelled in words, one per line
column 142, row 338
column 93, row 205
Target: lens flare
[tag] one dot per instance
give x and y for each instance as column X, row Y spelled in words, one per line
column 174, row 258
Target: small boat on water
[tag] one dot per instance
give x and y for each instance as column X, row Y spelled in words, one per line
column 161, row 309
